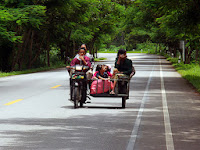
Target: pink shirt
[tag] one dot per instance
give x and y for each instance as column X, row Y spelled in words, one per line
column 76, row 61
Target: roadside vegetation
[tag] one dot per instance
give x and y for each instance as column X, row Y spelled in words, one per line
column 114, row 49
column 38, row 34
column 190, row 72
column 99, row 59
column 55, row 66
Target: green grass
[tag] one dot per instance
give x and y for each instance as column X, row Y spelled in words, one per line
column 190, row 72
column 136, row 51
column 58, row 65
column 99, row 59
column 5, row 74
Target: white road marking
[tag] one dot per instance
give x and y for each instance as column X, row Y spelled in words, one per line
column 134, row 133
column 168, row 132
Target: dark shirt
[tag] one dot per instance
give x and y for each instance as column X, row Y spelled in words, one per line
column 105, row 75
column 125, row 67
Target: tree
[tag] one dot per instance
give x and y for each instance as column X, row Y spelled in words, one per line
column 165, row 21
column 15, row 19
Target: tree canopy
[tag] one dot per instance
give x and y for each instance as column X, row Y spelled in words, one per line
column 38, row 33
column 165, row 21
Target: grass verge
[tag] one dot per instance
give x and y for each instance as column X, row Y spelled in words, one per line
column 5, row 74
column 58, row 65
column 190, row 72
column 136, row 51
column 99, row 59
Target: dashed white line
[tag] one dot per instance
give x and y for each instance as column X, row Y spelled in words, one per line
column 134, row 133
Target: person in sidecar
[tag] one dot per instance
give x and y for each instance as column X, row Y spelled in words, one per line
column 101, row 80
column 123, row 67
column 101, row 73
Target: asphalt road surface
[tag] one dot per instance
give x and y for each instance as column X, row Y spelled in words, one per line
column 163, row 112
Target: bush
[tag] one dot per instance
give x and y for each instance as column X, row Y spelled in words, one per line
column 112, row 48
column 147, row 47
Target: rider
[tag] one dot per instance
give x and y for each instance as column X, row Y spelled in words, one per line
column 90, row 71
column 123, row 67
column 81, row 59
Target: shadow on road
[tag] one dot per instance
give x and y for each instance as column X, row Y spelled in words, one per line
column 78, row 132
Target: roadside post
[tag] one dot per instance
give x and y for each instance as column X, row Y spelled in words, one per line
column 182, row 46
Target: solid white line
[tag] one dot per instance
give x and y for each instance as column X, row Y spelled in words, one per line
column 134, row 133
column 168, row 132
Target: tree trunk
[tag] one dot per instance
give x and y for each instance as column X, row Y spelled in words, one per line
column 38, row 53
column 67, row 52
column 5, row 53
column 175, row 51
column 13, row 56
column 156, row 48
column 48, row 52
column 96, row 53
column 92, row 43
column 17, row 57
column 74, row 48
column 27, row 39
column 197, row 55
column 30, row 49
column 189, row 53
column 14, row 53
column 170, row 50
column 62, row 53
column 186, row 53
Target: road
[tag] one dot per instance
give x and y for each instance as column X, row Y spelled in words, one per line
column 163, row 112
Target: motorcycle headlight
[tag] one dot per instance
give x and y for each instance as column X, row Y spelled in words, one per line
column 79, row 68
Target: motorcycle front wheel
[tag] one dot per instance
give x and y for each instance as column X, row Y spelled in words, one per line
column 76, row 94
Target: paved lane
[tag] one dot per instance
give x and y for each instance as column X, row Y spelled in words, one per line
column 163, row 108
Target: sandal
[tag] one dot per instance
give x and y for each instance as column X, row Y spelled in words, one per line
column 112, row 92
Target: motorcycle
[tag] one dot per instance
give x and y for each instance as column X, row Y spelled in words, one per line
column 78, row 85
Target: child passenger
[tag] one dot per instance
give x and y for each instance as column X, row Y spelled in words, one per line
column 103, row 68
column 101, row 83
column 101, row 73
